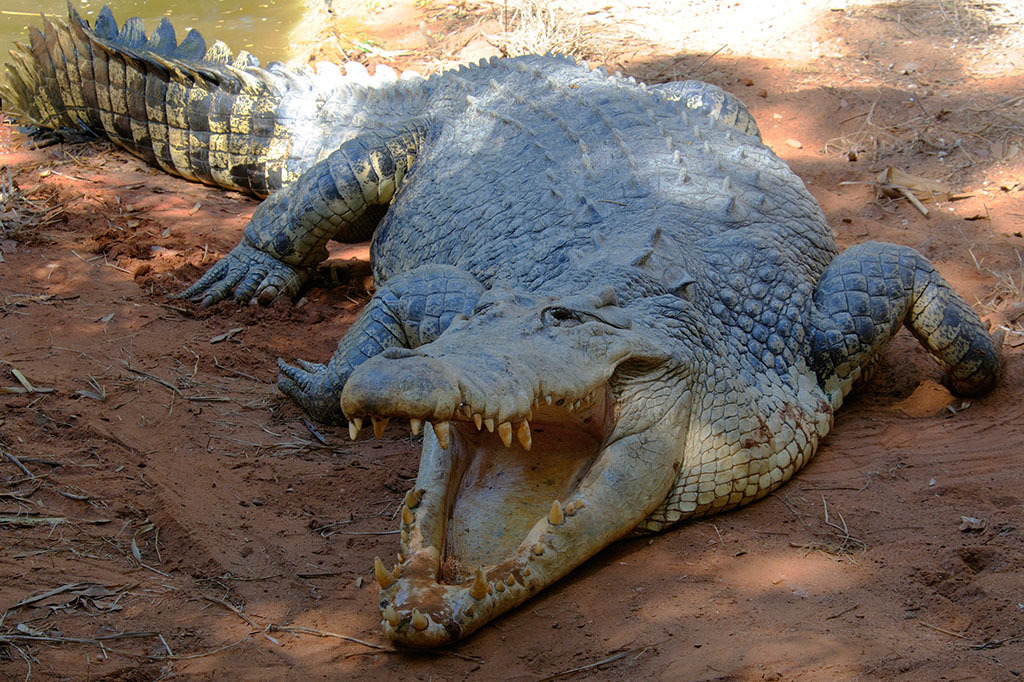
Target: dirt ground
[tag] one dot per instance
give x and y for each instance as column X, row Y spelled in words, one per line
column 166, row 514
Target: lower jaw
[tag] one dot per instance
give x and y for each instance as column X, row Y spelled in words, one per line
column 485, row 533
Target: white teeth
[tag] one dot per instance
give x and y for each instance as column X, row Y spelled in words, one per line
column 413, row 498
column 416, row 425
column 419, row 621
column 525, row 435
column 547, row 399
column 379, row 424
column 354, row 425
column 505, row 432
column 555, row 516
column 489, row 423
column 576, row 405
column 384, row 577
column 443, row 433
column 479, row 588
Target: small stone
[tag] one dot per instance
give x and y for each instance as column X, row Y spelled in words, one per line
column 795, row 144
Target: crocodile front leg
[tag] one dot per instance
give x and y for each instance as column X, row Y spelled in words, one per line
column 288, row 233
column 864, row 296
column 409, row 310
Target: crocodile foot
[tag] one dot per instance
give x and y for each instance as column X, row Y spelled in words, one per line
column 251, row 274
column 313, row 388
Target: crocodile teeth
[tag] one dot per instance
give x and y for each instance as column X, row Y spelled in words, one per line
column 379, row 424
column 419, row 621
column 510, row 580
column 384, row 577
column 525, row 435
column 416, row 425
column 443, row 433
column 354, row 426
column 478, row 590
column 555, row 516
column 505, row 431
column 391, row 616
column 489, row 423
column 547, row 399
column 413, row 497
column 538, row 549
column 407, row 516
column 570, row 508
column 478, row 420
column 499, row 586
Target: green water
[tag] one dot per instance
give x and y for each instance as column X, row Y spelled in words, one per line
column 260, row 26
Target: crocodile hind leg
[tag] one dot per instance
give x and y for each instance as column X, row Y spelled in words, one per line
column 409, row 310
column 864, row 296
column 288, row 234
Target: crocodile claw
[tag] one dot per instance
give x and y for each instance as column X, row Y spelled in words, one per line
column 313, row 388
column 252, row 275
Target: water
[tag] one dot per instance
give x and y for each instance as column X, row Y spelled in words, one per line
column 260, row 26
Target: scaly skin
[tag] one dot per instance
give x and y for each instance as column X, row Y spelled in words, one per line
column 613, row 305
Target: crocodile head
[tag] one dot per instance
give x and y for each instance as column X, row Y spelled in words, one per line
column 555, row 429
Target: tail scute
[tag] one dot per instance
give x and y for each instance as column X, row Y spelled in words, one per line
column 193, row 109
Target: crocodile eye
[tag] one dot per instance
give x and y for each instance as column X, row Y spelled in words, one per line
column 482, row 308
column 557, row 316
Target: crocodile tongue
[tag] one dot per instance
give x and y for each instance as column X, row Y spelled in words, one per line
column 494, row 518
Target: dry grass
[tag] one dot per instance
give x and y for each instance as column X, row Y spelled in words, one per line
column 538, row 27
column 955, row 18
column 21, row 217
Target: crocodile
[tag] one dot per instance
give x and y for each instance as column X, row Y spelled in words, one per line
column 608, row 306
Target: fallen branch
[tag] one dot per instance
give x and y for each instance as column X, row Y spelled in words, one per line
column 18, row 464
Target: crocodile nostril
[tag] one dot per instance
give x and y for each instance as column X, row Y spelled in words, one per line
column 397, row 353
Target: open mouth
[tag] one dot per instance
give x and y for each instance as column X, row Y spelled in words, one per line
column 495, row 507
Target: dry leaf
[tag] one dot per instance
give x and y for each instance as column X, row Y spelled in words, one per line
column 22, row 380
column 226, row 335
column 925, row 189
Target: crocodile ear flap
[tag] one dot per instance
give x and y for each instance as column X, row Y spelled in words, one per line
column 683, row 287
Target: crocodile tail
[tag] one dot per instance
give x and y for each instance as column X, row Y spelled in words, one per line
column 195, row 111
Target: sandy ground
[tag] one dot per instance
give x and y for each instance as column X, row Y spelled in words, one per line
column 165, row 513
